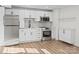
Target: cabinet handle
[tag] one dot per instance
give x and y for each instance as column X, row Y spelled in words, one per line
column 24, row 33
column 31, row 33
column 63, row 31
column 12, row 13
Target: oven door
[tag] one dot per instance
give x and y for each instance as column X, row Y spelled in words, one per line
column 46, row 33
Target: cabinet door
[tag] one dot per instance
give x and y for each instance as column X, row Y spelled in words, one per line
column 15, row 12
column 8, row 11
column 35, row 14
column 61, row 34
column 21, row 18
column 27, row 13
column 12, row 12
column 66, row 35
column 22, row 35
column 28, row 35
column 21, row 23
column 49, row 14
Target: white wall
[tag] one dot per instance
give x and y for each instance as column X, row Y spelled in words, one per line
column 1, row 24
column 67, row 18
column 55, row 23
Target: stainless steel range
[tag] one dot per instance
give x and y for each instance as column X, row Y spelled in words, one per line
column 46, row 34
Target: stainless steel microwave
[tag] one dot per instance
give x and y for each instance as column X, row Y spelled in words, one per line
column 44, row 18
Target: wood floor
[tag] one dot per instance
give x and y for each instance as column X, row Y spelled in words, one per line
column 51, row 47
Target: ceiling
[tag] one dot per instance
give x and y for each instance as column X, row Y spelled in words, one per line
column 43, row 7
column 48, row 7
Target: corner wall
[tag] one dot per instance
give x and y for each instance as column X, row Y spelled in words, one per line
column 55, row 23
column 71, row 15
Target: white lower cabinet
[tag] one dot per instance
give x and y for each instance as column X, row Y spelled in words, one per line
column 22, row 35
column 30, row 35
column 36, row 34
column 67, row 35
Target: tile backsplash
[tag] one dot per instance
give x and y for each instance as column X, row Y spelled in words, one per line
column 36, row 24
column 41, row 24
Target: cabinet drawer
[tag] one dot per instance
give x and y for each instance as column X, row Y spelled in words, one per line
column 38, row 37
column 36, row 34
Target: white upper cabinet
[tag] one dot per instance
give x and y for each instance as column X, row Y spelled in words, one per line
column 68, row 13
column 8, row 11
column 27, row 13
column 35, row 14
column 21, row 13
column 12, row 12
column 15, row 12
column 38, row 14
column 48, row 14
column 21, row 18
